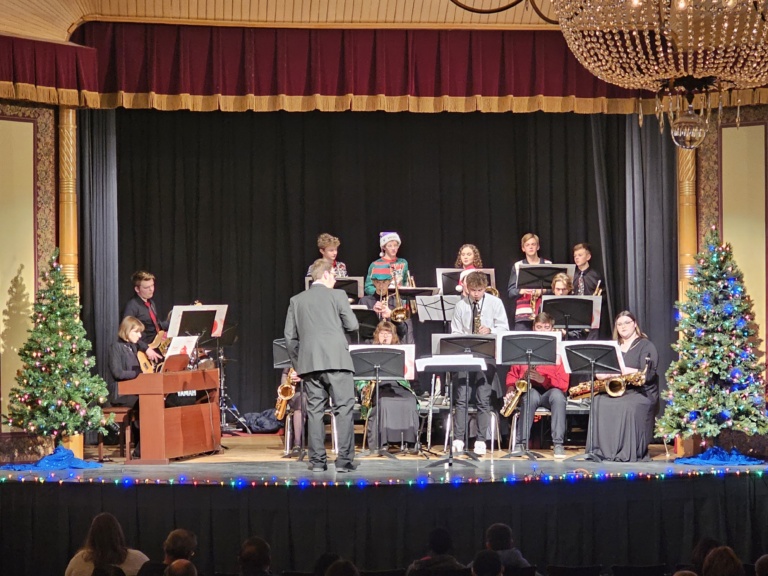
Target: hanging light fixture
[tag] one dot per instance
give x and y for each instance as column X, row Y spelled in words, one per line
column 689, row 53
column 677, row 49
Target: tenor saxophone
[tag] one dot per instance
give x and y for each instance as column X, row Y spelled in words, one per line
column 285, row 391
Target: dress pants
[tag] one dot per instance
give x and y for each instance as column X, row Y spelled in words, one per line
column 340, row 387
column 554, row 399
column 477, row 391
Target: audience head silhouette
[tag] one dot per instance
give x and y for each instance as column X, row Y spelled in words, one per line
column 105, row 541
column 761, row 566
column 487, row 563
column 722, row 561
column 179, row 545
column 342, row 568
column 499, row 537
column 181, row 567
column 255, row 557
column 703, row 547
column 440, row 541
column 322, row 563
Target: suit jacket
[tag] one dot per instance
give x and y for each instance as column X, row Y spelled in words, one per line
column 315, row 330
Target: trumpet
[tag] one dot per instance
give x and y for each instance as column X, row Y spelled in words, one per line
column 512, row 398
column 285, row 391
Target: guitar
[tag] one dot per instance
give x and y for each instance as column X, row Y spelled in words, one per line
column 146, row 365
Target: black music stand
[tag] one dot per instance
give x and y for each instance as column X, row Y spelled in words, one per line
column 449, row 281
column 479, row 346
column 439, row 308
column 197, row 323
column 281, row 360
column 584, row 358
column 375, row 363
column 351, row 286
column 529, row 349
column 569, row 312
column 538, row 276
column 367, row 321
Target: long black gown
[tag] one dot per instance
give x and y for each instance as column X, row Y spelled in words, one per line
column 624, row 425
column 399, row 415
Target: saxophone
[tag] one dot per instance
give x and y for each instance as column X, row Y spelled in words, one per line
column 614, row 386
column 512, row 398
column 285, row 392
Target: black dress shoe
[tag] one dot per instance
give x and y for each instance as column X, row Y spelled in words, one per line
column 348, row 467
column 318, row 467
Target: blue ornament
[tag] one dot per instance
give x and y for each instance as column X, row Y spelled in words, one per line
column 693, row 415
column 728, row 308
column 741, row 323
column 736, row 374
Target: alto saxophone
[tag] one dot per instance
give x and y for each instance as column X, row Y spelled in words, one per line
column 512, row 398
column 285, row 391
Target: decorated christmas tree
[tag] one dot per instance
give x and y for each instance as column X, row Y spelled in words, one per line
column 717, row 382
column 56, row 393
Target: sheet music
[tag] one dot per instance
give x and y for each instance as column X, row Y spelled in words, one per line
column 449, row 360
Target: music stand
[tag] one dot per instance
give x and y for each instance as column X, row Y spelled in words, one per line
column 367, row 321
column 375, row 363
column 449, row 279
column 280, row 361
column 584, row 358
column 569, row 312
column 530, row 349
column 459, row 363
column 539, row 276
column 438, row 308
column 352, row 285
column 479, row 346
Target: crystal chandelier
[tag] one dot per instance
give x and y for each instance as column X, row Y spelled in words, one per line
column 677, row 49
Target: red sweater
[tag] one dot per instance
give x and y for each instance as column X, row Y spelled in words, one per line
column 555, row 376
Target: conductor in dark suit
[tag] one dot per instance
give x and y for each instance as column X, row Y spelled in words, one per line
column 314, row 335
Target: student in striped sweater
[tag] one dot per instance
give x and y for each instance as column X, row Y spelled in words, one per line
column 388, row 264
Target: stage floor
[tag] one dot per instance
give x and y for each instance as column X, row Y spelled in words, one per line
column 259, row 459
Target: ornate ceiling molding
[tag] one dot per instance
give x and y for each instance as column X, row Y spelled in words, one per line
column 56, row 19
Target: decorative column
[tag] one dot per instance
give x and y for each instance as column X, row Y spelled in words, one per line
column 68, row 195
column 687, row 237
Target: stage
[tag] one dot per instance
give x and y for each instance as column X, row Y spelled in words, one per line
column 561, row 512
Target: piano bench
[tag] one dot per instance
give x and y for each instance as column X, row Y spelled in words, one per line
column 123, row 419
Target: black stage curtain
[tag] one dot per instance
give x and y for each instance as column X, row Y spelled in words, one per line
column 97, row 195
column 226, row 207
column 618, row 521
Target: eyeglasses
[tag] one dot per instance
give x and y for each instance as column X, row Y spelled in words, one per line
column 625, row 323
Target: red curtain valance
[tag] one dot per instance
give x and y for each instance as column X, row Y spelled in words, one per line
column 209, row 68
column 48, row 72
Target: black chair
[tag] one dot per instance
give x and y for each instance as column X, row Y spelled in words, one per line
column 574, row 570
column 652, row 570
